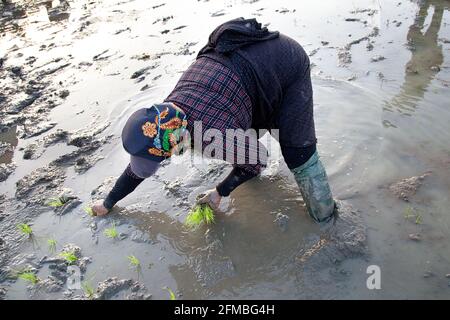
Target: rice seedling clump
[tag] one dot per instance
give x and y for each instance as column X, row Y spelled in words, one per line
column 51, row 245
column 69, row 257
column 134, row 262
column 200, row 214
column 171, row 293
column 111, row 232
column 88, row 289
column 25, row 229
column 29, row 277
column 57, row 202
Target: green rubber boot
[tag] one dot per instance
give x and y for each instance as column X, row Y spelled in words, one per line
column 313, row 183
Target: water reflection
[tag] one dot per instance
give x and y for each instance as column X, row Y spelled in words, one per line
column 426, row 59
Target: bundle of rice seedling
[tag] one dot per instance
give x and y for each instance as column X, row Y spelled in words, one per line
column 25, row 229
column 201, row 213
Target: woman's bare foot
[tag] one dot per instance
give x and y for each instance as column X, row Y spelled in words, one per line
column 99, row 209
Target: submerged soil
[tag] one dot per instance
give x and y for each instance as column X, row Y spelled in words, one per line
column 71, row 72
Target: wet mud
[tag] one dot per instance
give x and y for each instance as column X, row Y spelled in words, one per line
column 407, row 188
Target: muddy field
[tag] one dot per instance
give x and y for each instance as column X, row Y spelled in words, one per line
column 71, row 72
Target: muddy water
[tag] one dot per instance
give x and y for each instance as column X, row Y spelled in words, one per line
column 378, row 121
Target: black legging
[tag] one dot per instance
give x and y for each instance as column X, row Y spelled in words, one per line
column 293, row 156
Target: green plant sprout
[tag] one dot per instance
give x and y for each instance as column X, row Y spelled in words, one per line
column 69, row 256
column 88, row 289
column 111, row 232
column 134, row 262
column 200, row 214
column 51, row 245
column 171, row 294
column 57, row 202
column 418, row 219
column 25, row 229
column 28, row 276
column 410, row 212
column 89, row 211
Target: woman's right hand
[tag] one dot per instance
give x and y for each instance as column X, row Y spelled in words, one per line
column 99, row 209
column 211, row 197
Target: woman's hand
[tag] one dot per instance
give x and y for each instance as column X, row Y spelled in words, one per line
column 99, row 209
column 211, row 197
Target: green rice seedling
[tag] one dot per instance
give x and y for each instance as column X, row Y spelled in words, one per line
column 51, row 245
column 171, row 294
column 25, row 229
column 55, row 202
column 89, row 211
column 69, row 257
column 200, row 214
column 28, row 276
column 111, row 232
column 88, row 289
column 134, row 262
column 418, row 219
column 409, row 213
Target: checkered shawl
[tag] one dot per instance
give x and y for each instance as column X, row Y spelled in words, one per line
column 211, row 93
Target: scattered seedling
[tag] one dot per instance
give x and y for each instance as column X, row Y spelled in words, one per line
column 418, row 219
column 111, row 232
column 410, row 213
column 89, row 211
column 135, row 263
column 51, row 245
column 25, row 229
column 201, row 213
column 171, row 294
column 88, row 289
column 57, row 202
column 69, row 257
column 28, row 276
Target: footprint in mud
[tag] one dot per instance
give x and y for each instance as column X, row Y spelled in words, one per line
column 342, row 238
column 5, row 149
column 6, row 170
column 319, row 262
column 115, row 288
